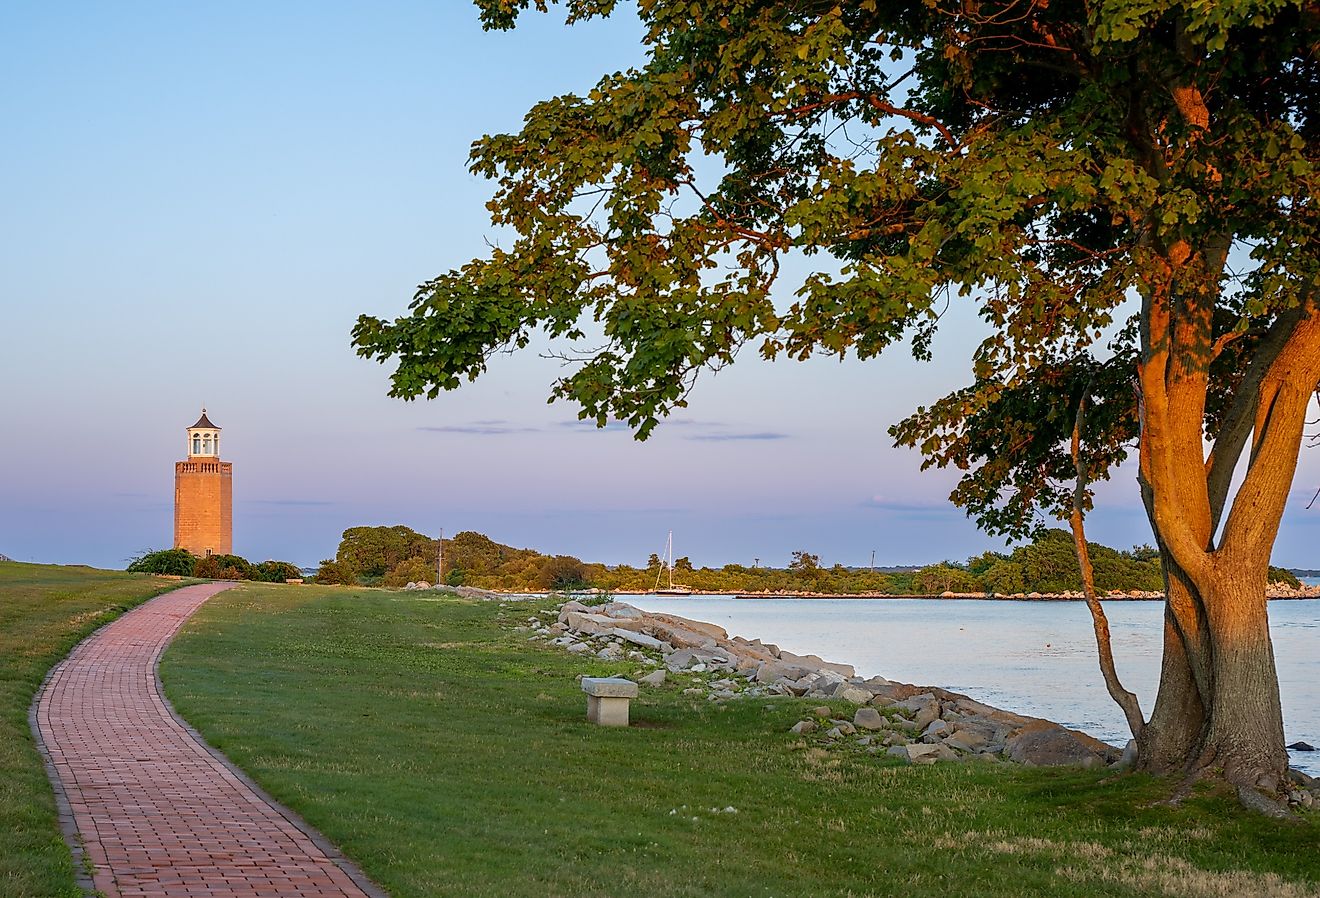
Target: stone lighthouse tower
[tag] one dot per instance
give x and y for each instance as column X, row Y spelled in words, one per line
column 203, row 494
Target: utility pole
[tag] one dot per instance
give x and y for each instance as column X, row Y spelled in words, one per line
column 873, row 559
column 440, row 558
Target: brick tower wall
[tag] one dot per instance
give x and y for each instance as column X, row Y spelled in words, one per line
column 204, row 507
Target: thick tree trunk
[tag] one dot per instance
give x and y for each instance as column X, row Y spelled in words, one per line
column 1245, row 732
column 1218, row 709
column 1177, row 724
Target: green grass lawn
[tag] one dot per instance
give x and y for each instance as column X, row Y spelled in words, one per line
column 44, row 611
column 449, row 756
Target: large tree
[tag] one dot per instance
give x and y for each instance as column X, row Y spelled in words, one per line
column 1125, row 190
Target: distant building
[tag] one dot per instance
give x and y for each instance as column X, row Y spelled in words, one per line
column 204, row 494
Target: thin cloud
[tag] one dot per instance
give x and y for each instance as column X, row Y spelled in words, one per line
column 693, row 422
column 481, row 428
column 713, row 431
column 758, row 436
column 618, row 424
column 589, row 425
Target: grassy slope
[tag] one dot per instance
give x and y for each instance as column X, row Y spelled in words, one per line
column 44, row 611
column 450, row 757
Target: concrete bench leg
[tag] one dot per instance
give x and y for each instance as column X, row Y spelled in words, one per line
column 608, row 711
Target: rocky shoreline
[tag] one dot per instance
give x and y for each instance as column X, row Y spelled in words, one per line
column 918, row 724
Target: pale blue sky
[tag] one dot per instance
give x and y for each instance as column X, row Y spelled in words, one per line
column 199, row 200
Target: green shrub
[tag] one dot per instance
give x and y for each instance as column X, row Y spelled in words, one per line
column 275, row 572
column 222, row 567
column 335, row 572
column 178, row 562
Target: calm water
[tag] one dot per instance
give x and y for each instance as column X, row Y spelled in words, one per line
column 1036, row 658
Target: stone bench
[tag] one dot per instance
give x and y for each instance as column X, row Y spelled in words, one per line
column 607, row 700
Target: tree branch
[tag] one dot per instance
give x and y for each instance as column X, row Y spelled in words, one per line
column 1122, row 697
column 875, row 103
column 1237, row 425
column 1280, row 421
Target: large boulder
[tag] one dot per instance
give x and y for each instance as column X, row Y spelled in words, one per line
column 648, row 642
column 935, row 731
column 924, row 709
column 983, row 730
column 851, row 693
column 1045, row 744
column 966, row 740
column 709, row 631
column 799, row 687
column 749, row 650
column 680, row 660
column 713, row 655
column 868, row 719
column 654, row 678
column 621, row 610
column 892, row 693
column 914, row 703
column 676, row 635
column 569, row 607
column 815, row 662
column 590, row 624
column 770, row 671
column 919, row 753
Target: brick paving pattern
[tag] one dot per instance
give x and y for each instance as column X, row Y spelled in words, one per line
column 157, row 813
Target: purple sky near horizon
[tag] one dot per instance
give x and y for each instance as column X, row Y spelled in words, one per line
column 198, row 202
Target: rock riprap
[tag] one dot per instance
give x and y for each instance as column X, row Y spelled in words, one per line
column 919, row 724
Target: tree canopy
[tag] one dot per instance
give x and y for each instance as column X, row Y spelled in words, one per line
column 1125, row 191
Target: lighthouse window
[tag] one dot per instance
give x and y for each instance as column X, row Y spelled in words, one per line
column 197, row 445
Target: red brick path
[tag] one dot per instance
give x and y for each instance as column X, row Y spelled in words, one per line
column 157, row 813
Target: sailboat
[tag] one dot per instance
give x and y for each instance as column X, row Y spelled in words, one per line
column 667, row 564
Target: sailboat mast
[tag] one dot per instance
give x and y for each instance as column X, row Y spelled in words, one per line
column 665, row 562
column 669, row 549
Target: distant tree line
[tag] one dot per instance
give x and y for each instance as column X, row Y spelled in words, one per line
column 396, row 556
column 182, row 563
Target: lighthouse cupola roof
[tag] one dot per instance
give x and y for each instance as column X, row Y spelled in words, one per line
column 204, row 438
